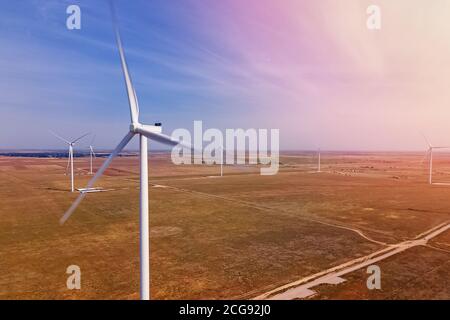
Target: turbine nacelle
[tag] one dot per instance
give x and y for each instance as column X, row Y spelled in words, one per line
column 145, row 128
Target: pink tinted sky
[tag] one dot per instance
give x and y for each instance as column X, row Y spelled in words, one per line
column 318, row 73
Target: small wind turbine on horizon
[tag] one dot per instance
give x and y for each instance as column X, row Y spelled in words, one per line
column 429, row 154
column 70, row 157
column 152, row 132
column 91, row 154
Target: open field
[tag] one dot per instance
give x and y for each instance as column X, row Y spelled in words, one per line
column 219, row 238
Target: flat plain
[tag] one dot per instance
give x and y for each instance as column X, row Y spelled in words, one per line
column 231, row 237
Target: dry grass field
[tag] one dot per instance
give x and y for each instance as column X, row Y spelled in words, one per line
column 220, row 238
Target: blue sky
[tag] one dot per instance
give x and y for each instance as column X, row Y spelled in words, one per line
column 70, row 81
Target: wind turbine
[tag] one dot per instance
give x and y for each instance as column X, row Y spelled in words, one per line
column 91, row 154
column 152, row 132
column 429, row 153
column 70, row 158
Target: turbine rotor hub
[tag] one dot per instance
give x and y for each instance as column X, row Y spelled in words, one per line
column 134, row 127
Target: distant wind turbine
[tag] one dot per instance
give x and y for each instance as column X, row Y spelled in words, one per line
column 70, row 160
column 429, row 154
column 91, row 154
column 152, row 132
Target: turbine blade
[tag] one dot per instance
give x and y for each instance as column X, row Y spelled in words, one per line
column 132, row 100
column 79, row 138
column 59, row 137
column 426, row 140
column 100, row 171
column 137, row 102
column 162, row 138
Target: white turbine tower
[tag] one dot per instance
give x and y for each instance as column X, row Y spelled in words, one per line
column 70, row 157
column 429, row 153
column 91, row 154
column 152, row 132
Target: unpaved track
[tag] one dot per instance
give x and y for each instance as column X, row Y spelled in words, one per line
column 270, row 209
column 302, row 288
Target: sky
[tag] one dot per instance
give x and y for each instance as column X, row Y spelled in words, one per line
column 309, row 68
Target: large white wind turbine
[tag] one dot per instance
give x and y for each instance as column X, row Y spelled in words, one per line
column 429, row 153
column 152, row 132
column 70, row 157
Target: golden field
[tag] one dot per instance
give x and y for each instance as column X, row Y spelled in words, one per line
column 228, row 237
